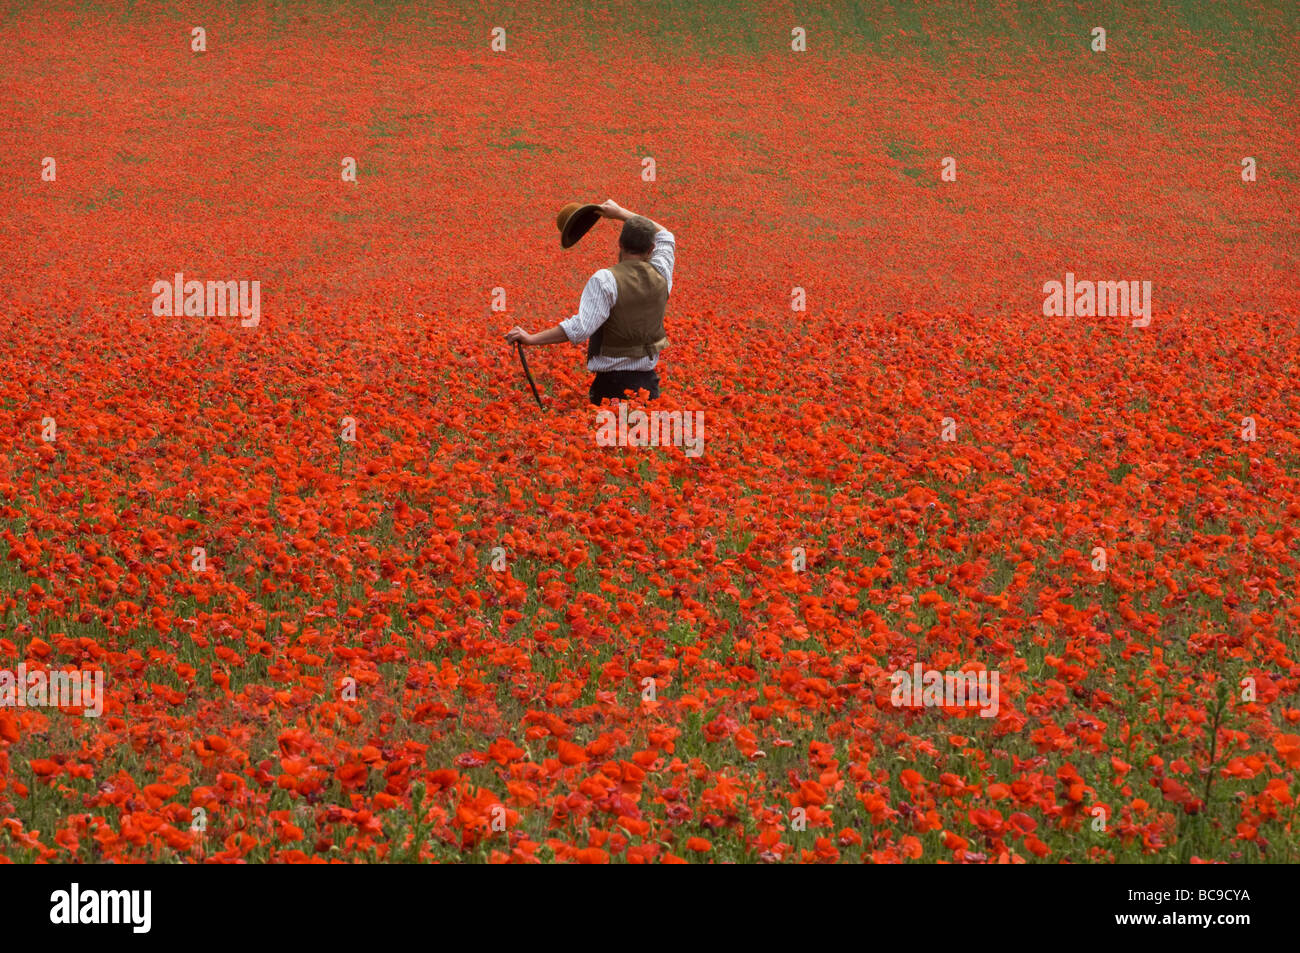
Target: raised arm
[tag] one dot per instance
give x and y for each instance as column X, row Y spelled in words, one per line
column 611, row 209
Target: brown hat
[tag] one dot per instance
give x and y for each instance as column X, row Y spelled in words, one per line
column 574, row 221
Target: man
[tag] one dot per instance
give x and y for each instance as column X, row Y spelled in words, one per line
column 621, row 315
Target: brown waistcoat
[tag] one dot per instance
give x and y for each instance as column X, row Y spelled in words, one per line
column 635, row 327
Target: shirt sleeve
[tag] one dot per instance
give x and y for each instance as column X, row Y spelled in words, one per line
column 664, row 256
column 593, row 310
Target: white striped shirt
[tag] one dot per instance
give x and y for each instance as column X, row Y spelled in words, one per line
column 598, row 299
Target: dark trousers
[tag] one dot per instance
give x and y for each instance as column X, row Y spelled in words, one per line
column 607, row 384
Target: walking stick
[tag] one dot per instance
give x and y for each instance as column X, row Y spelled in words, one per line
column 527, row 373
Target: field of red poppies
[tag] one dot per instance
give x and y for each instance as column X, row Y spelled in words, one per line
column 355, row 597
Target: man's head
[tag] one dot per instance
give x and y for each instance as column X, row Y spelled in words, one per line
column 637, row 238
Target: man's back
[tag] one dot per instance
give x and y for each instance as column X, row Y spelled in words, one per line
column 635, row 326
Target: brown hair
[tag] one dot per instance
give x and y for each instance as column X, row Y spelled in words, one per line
column 638, row 235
